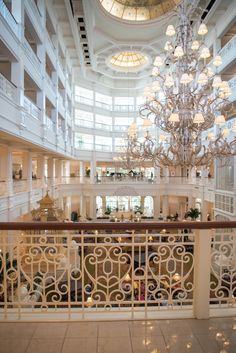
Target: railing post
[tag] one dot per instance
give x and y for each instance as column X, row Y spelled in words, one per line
column 202, row 273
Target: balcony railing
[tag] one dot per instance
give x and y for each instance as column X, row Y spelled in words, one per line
column 8, row 17
column 123, row 178
column 124, row 108
column 103, row 148
column 228, row 51
column 103, row 105
column 50, row 123
column 32, row 56
column 20, row 186
column 102, row 126
column 7, row 88
column 49, row 81
column 31, row 108
column 85, row 271
column 84, row 123
column 83, row 100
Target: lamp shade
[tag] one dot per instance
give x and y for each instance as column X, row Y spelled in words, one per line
column 202, row 30
column 217, row 61
column 158, row 61
column 174, row 118
column 198, row 118
column 220, row 119
column 178, row 53
column 170, row 31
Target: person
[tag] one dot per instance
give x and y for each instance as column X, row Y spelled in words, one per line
column 176, row 216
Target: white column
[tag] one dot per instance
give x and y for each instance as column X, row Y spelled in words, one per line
column 165, row 206
column 7, row 170
column 92, row 168
column 202, row 273
column 81, row 171
column 157, row 174
column 156, row 206
column 166, row 175
column 92, row 207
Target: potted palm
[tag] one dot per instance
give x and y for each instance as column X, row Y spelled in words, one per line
column 192, row 213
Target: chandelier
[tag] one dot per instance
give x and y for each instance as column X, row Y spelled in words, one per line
column 187, row 101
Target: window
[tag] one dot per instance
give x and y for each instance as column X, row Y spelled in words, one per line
column 119, row 144
column 139, row 101
column 83, row 95
column 83, row 118
column 122, row 123
column 103, row 122
column 103, row 101
column 225, row 175
column 83, row 141
column 103, row 143
column 124, row 103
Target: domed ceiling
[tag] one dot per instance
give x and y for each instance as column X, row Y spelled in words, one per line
column 126, row 60
column 138, row 10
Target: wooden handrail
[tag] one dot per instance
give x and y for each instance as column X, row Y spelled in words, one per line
column 114, row 225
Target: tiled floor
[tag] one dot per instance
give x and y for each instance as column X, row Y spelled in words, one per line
column 158, row 336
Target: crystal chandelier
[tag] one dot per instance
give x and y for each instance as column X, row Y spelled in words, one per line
column 187, row 101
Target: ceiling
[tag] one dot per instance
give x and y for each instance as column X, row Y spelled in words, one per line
column 93, row 36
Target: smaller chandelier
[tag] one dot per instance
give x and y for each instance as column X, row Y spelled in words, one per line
column 187, row 101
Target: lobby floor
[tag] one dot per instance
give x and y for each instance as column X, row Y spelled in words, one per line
column 216, row 335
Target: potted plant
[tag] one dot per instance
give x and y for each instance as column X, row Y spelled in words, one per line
column 108, row 210
column 192, row 213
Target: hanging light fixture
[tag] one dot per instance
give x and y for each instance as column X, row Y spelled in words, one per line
column 187, row 101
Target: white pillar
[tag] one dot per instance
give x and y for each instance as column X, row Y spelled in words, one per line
column 156, row 206
column 202, row 273
column 92, row 206
column 92, row 168
column 81, row 171
column 165, row 205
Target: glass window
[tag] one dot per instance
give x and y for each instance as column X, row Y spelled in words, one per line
column 103, row 101
column 124, row 121
column 119, row 144
column 83, row 118
column 140, row 100
column 225, row 175
column 103, row 143
column 83, row 95
column 83, row 141
column 111, row 201
column 103, row 122
column 124, row 101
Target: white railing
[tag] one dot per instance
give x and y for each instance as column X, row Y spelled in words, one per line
column 20, row 186
column 8, row 17
column 3, row 187
column 61, row 100
column 36, row 12
column 228, row 48
column 102, row 105
column 37, row 183
column 32, row 56
column 124, row 108
column 7, row 88
column 85, row 146
column 31, row 108
column 123, row 178
column 50, row 124
column 51, row 43
column 84, row 123
column 49, row 81
column 83, row 100
column 61, row 131
column 102, row 126
column 121, row 127
column 117, row 274
column 104, row 148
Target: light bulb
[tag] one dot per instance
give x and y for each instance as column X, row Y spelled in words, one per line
column 198, row 118
column 211, row 136
column 210, row 72
column 225, row 132
column 155, row 71
column 217, row 60
column 158, row 61
column 202, row 79
column 217, row 82
column 169, row 82
column 178, row 53
column 205, row 53
column 162, row 138
column 220, row 119
column 170, row 31
column 202, row 30
column 168, row 46
column 195, row 45
column 185, row 79
column 156, row 86
column 174, row 118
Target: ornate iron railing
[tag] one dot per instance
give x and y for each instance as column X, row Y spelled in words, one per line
column 126, row 270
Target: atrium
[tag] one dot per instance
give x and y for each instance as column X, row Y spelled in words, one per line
column 118, row 175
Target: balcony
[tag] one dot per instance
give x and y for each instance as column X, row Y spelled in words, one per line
column 6, row 14
column 101, row 126
column 127, row 271
column 31, row 108
column 84, row 123
column 103, row 105
column 124, row 108
column 30, row 54
column 103, row 148
column 83, row 100
column 7, row 88
column 232, row 85
column 228, row 53
column 50, row 123
column 20, row 186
